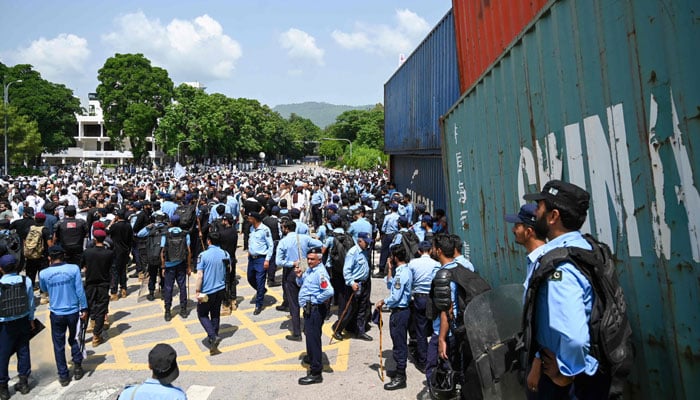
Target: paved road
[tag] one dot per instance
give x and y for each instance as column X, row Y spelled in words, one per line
column 257, row 362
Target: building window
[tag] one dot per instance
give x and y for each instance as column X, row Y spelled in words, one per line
column 91, row 130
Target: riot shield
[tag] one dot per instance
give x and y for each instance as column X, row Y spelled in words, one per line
column 492, row 321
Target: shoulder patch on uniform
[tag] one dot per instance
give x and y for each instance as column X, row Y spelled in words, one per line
column 324, row 282
column 556, row 276
column 199, row 258
column 397, row 283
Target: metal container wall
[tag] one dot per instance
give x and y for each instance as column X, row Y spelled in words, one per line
column 604, row 94
column 422, row 177
column 484, row 29
column 420, row 91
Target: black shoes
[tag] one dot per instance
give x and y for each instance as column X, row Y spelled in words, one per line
column 64, row 381
column 306, row 359
column 78, row 372
column 311, row 379
column 420, row 367
column 338, row 336
column 365, row 337
column 379, row 274
column 282, row 308
column 22, row 386
column 168, row 316
column 293, row 338
column 150, row 297
column 183, row 312
column 274, row 284
column 397, row 382
column 257, row 311
column 214, row 346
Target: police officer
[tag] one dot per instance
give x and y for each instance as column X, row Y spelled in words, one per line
column 360, row 224
column 152, row 234
column 67, row 303
column 70, row 232
column 292, row 249
column 176, row 261
column 562, row 304
column 119, row 230
column 162, row 360
column 390, row 227
column 16, row 321
column 356, row 274
column 260, row 248
column 422, row 270
column 211, row 288
column 399, row 282
column 315, row 291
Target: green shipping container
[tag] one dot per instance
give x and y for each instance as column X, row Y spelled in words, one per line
column 604, row 94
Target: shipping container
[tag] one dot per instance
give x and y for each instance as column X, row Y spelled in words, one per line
column 484, row 29
column 424, row 87
column 422, row 178
column 604, row 94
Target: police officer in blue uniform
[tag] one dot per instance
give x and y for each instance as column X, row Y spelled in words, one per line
column 399, row 281
column 67, row 303
column 356, row 274
column 162, row 360
column 16, row 321
column 564, row 302
column 389, row 228
column 211, row 288
column 290, row 251
column 176, row 267
column 316, row 290
column 260, row 251
column 422, row 270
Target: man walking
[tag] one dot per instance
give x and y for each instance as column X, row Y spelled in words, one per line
column 97, row 262
column 67, row 304
column 119, row 230
column 211, row 288
column 176, row 265
column 16, row 321
column 260, row 247
column 356, row 274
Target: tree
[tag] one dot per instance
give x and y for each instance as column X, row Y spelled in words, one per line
column 363, row 127
column 23, row 137
column 52, row 106
column 134, row 95
column 302, row 130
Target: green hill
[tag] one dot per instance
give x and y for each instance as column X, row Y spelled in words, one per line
column 321, row 114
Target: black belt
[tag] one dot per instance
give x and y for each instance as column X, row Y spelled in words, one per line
column 397, row 309
column 420, row 294
column 256, row 256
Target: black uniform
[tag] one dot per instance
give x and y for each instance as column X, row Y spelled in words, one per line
column 98, row 263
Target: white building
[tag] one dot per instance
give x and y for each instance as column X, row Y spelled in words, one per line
column 92, row 142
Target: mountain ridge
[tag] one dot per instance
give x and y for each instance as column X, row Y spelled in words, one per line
column 320, row 113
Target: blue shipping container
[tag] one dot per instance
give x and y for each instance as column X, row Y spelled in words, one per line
column 604, row 94
column 420, row 91
column 422, row 178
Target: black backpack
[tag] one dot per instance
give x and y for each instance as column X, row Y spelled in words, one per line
column 187, row 214
column 469, row 285
column 153, row 244
column 342, row 242
column 13, row 298
column 609, row 327
column 176, row 246
column 409, row 241
column 11, row 243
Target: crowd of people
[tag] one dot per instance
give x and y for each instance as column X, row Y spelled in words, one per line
column 75, row 235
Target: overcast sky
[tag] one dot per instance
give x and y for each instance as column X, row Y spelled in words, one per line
column 277, row 52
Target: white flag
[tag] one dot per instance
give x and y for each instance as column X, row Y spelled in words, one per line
column 179, row 171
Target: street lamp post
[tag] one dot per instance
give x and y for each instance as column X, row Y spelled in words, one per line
column 345, row 140
column 6, row 102
column 178, row 147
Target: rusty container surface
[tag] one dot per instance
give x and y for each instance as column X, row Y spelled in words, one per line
column 604, row 94
column 424, row 87
column 484, row 29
